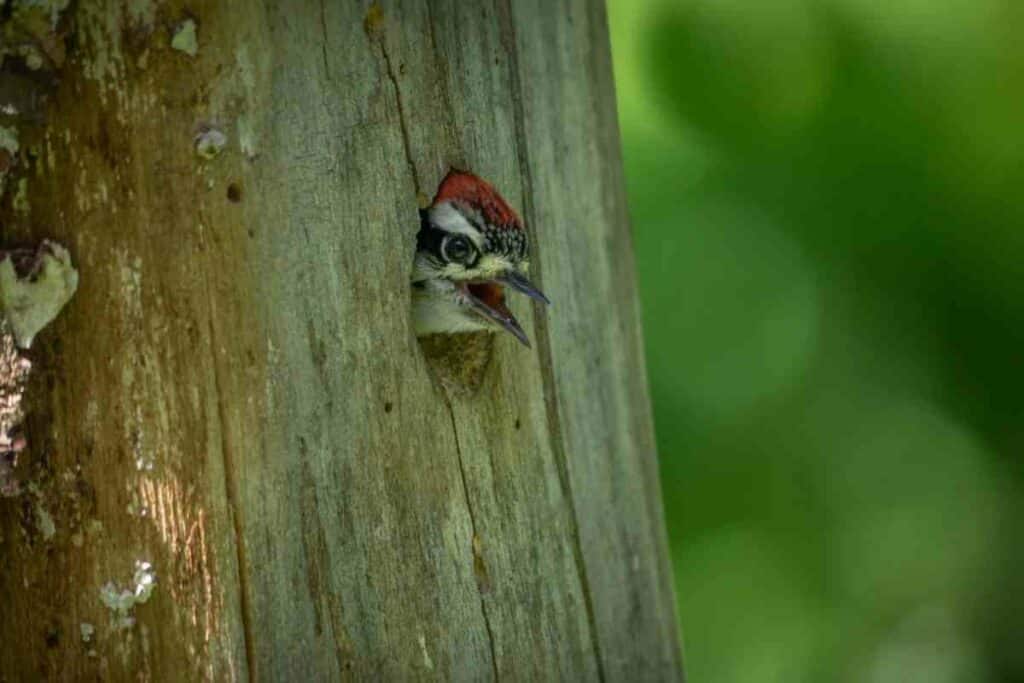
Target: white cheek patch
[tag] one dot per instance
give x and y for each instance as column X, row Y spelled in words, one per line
column 449, row 219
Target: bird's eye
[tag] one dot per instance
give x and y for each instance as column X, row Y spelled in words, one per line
column 457, row 249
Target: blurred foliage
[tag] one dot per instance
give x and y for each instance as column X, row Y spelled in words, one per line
column 828, row 207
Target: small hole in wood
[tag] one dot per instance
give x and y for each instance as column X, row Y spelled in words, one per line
column 52, row 638
column 388, row 407
column 234, row 193
column 518, row 424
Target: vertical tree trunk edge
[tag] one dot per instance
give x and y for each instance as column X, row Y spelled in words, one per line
column 241, row 464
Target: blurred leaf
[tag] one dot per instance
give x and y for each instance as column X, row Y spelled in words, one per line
column 830, row 239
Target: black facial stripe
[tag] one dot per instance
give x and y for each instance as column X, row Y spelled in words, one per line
column 431, row 240
column 474, row 219
column 510, row 242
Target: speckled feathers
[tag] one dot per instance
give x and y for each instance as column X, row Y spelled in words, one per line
column 489, row 214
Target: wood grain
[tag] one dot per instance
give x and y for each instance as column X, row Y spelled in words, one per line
column 235, row 394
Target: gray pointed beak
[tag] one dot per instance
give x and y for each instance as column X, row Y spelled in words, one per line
column 496, row 311
column 518, row 282
column 504, row 318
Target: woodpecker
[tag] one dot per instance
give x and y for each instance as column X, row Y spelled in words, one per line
column 470, row 247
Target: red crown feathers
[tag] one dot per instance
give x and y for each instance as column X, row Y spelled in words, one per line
column 478, row 194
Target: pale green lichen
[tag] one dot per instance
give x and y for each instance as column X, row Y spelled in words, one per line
column 247, row 137
column 34, row 60
column 100, row 32
column 246, row 69
column 20, row 202
column 9, row 139
column 427, row 661
column 122, row 601
column 209, row 143
column 44, row 522
column 30, row 303
column 185, row 38
column 87, row 632
column 8, row 150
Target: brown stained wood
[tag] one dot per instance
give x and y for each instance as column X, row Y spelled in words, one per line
column 235, row 395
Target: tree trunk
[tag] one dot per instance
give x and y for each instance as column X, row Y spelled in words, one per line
column 235, row 405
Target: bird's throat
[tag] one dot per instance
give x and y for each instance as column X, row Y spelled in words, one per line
column 490, row 293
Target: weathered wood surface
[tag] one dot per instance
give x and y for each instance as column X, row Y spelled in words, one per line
column 236, row 397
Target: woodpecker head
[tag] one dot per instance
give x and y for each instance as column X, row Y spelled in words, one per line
column 470, row 247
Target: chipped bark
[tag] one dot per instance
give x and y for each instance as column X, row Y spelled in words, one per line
column 236, row 403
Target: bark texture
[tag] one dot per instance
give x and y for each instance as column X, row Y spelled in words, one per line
column 234, row 402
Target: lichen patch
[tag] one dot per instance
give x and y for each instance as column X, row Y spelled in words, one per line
column 44, row 522
column 209, row 143
column 247, row 139
column 9, row 139
column 122, row 601
column 31, row 296
column 185, row 38
column 20, row 202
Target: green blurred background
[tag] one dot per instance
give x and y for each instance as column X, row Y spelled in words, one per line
column 828, row 207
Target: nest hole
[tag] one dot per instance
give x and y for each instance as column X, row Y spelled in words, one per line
column 459, row 361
